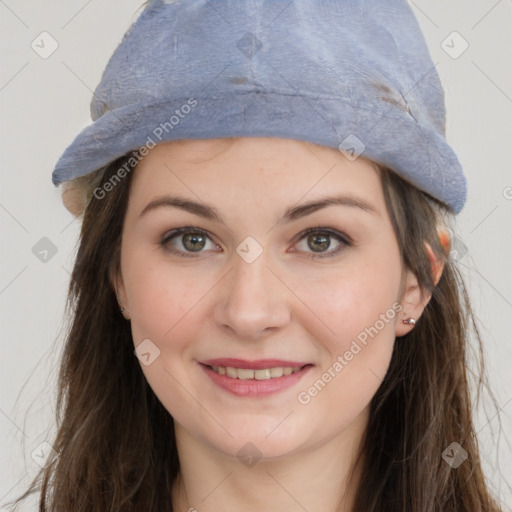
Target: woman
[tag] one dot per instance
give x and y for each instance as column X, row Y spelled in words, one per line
column 265, row 312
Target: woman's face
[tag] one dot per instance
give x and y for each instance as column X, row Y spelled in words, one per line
column 225, row 308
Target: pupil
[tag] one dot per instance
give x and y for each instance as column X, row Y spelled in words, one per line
column 322, row 241
column 196, row 241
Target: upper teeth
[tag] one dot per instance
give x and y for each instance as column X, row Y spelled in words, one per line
column 263, row 374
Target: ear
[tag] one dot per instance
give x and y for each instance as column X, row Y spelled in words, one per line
column 436, row 263
column 414, row 301
column 116, row 280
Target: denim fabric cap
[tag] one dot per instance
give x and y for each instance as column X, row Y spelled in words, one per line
column 352, row 75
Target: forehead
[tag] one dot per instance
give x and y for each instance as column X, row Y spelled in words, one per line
column 281, row 169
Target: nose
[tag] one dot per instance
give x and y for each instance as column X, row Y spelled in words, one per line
column 253, row 300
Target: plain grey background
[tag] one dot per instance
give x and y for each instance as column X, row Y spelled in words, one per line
column 45, row 102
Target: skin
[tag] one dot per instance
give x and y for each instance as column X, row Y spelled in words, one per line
column 283, row 305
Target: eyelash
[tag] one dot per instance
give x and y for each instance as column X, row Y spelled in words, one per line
column 344, row 240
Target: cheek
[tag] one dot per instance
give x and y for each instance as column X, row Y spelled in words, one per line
column 346, row 384
column 162, row 296
column 359, row 310
column 163, row 303
column 357, row 301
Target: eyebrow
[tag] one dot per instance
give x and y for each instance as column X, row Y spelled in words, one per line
column 292, row 213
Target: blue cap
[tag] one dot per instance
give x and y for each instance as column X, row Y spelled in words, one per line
column 347, row 74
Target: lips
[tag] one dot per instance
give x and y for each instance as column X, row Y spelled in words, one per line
column 254, row 378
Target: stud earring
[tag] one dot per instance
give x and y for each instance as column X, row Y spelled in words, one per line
column 409, row 321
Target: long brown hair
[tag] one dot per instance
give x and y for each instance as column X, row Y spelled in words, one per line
column 424, row 404
column 115, row 441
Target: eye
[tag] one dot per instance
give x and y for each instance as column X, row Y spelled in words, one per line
column 319, row 240
column 192, row 240
column 187, row 240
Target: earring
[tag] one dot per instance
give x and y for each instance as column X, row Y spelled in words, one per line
column 409, row 321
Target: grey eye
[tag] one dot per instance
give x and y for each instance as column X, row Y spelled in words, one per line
column 193, row 241
column 319, row 242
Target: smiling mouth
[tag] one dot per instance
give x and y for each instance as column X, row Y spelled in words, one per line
column 260, row 374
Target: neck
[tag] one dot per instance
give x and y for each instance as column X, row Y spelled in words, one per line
column 320, row 479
